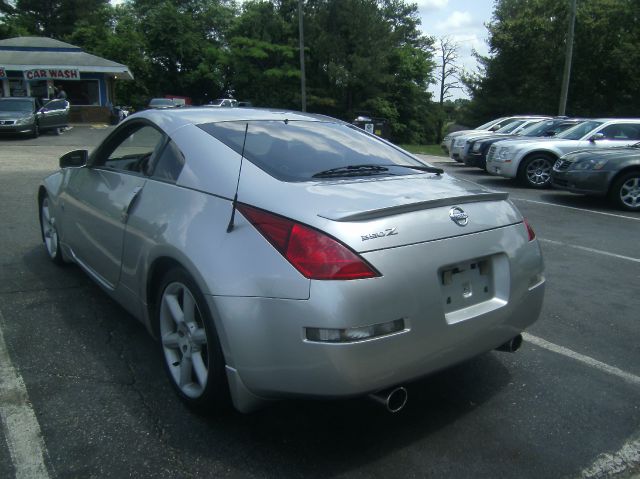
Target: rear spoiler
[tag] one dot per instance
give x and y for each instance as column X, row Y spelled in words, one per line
column 407, row 208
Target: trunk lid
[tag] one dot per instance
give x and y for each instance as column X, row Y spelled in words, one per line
column 377, row 213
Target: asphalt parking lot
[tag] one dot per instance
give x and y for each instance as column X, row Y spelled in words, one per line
column 83, row 393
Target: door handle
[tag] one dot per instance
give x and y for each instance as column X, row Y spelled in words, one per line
column 133, row 197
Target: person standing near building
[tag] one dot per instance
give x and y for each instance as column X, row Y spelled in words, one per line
column 60, row 93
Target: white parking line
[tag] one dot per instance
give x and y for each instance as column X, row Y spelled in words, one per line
column 20, row 426
column 590, row 250
column 634, row 218
column 607, row 465
column 594, row 363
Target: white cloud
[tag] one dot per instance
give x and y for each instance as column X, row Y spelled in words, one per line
column 428, row 5
column 456, row 21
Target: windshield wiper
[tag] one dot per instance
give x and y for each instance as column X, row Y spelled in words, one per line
column 367, row 169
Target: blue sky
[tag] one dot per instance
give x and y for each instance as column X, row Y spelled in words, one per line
column 463, row 21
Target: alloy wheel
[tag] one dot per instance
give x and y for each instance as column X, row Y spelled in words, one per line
column 630, row 192
column 539, row 171
column 184, row 340
column 49, row 230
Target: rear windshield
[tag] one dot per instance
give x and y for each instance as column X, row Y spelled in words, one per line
column 16, row 105
column 161, row 102
column 296, row 150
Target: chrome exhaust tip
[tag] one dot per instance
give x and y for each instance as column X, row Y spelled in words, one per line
column 512, row 345
column 393, row 400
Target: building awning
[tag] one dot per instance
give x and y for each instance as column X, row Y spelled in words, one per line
column 31, row 53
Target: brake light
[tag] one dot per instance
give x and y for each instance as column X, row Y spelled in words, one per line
column 315, row 254
column 530, row 232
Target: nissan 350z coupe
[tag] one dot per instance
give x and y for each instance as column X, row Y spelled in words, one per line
column 277, row 254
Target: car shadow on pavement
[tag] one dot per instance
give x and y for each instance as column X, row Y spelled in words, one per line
column 114, row 357
column 582, row 201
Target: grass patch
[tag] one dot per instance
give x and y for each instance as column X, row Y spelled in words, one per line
column 434, row 150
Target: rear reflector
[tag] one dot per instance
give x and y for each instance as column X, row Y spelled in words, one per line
column 315, row 254
column 323, row 335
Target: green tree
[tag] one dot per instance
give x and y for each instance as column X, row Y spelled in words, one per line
column 183, row 39
column 369, row 56
column 523, row 71
column 262, row 55
column 55, row 18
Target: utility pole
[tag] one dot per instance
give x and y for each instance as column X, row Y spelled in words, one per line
column 567, row 61
column 303, row 90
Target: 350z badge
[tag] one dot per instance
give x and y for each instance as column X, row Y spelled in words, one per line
column 381, row 234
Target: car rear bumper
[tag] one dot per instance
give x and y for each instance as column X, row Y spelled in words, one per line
column 266, row 344
column 586, row 182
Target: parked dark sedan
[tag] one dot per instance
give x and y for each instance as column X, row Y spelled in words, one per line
column 612, row 172
column 22, row 115
column 478, row 149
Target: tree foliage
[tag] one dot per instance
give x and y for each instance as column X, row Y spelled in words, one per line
column 527, row 39
column 362, row 56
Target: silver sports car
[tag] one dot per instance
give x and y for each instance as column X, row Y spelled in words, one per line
column 279, row 254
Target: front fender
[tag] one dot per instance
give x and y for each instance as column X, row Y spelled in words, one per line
column 551, row 151
column 51, row 186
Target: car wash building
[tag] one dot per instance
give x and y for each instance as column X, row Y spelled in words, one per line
column 46, row 68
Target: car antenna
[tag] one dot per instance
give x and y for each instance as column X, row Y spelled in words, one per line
column 235, row 197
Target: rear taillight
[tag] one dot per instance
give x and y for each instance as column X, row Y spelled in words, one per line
column 315, row 254
column 530, row 232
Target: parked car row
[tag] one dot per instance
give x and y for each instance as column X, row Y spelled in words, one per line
column 490, row 127
column 512, row 126
column 596, row 157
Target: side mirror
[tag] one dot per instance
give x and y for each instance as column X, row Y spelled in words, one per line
column 495, row 128
column 596, row 137
column 74, row 159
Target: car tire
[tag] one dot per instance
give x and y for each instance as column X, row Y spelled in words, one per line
column 535, row 171
column 189, row 344
column 50, row 236
column 625, row 192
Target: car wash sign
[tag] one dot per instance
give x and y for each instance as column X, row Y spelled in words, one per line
column 52, row 74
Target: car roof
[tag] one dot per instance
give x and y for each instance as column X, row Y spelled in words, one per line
column 617, row 119
column 172, row 119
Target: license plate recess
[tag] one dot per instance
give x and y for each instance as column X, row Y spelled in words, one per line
column 473, row 282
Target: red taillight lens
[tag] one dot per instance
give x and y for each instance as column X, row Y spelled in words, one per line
column 530, row 232
column 313, row 253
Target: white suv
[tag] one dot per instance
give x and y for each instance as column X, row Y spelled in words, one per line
column 531, row 160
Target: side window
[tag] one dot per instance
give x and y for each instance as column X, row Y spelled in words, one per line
column 621, row 131
column 133, row 151
column 169, row 163
column 55, row 105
